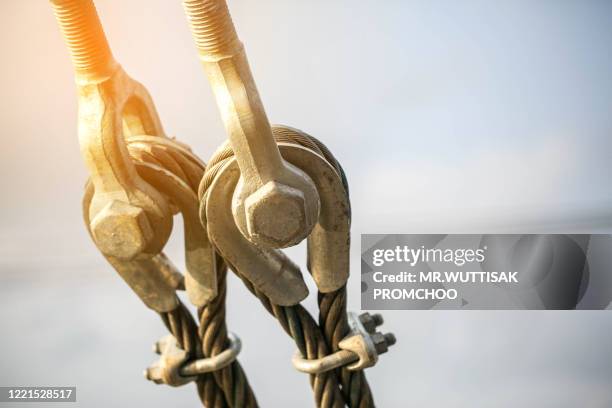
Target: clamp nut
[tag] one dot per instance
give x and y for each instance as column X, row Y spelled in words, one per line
column 382, row 342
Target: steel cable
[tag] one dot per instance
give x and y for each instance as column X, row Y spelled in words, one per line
column 313, row 341
column 213, row 335
column 299, row 324
column 333, row 321
column 212, row 331
column 182, row 326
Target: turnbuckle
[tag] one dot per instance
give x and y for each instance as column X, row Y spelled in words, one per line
column 359, row 350
column 174, row 368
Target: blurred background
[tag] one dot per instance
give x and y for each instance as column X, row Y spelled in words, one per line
column 448, row 116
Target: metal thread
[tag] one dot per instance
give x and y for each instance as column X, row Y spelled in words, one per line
column 84, row 36
column 212, row 27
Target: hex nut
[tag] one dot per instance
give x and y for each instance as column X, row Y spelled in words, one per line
column 276, row 214
column 390, row 339
column 121, row 230
column 382, row 342
column 370, row 322
column 379, row 342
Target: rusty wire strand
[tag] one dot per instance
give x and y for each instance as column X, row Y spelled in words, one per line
column 299, row 324
column 182, row 326
column 213, row 335
column 333, row 321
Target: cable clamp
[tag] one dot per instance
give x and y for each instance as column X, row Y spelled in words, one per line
column 174, row 369
column 359, row 350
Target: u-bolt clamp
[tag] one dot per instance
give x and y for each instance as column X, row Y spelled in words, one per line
column 174, row 367
column 269, row 195
column 358, row 350
column 130, row 201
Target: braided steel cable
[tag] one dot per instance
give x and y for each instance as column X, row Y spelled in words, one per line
column 295, row 320
column 333, row 318
column 213, row 335
column 298, row 323
column 212, row 331
column 333, row 321
column 183, row 327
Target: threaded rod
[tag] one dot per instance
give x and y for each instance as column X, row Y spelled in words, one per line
column 84, row 36
column 212, row 28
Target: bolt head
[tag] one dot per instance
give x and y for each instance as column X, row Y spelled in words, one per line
column 276, row 215
column 121, row 230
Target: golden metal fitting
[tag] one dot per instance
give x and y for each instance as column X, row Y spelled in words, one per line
column 128, row 217
column 270, row 270
column 270, row 190
column 329, row 241
column 274, row 202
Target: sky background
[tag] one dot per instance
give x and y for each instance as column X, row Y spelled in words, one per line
column 448, row 116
